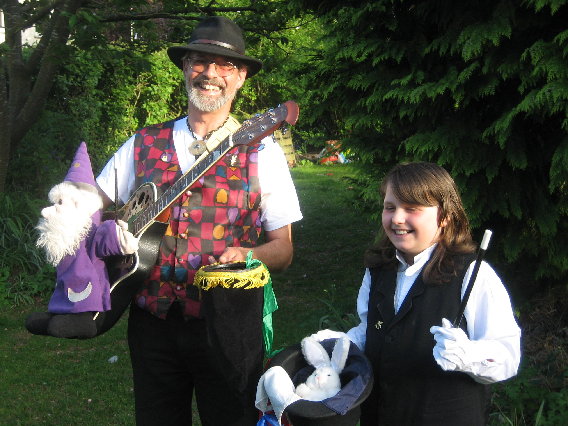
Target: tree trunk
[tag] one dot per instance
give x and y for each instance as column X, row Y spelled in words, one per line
column 26, row 83
column 6, row 129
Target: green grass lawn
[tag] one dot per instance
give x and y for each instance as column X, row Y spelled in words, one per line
column 48, row 381
column 328, row 254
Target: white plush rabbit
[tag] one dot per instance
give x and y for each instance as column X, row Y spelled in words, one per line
column 324, row 382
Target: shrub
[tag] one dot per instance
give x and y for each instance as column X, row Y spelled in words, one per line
column 24, row 273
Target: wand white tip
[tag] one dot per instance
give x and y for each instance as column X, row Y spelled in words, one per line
column 485, row 240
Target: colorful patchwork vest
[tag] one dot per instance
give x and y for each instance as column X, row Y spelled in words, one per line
column 222, row 211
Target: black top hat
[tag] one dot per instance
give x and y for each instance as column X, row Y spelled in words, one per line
column 220, row 36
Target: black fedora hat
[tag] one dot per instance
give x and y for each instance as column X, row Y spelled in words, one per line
column 216, row 35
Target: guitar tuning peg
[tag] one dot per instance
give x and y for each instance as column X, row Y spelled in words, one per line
column 283, row 128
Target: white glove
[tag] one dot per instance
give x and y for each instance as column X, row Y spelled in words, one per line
column 453, row 349
column 275, row 391
column 128, row 242
column 328, row 334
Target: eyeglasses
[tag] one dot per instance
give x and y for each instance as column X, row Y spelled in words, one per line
column 222, row 68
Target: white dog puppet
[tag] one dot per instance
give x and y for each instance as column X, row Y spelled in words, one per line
column 76, row 242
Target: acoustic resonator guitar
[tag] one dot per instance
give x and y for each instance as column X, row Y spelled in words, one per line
column 146, row 213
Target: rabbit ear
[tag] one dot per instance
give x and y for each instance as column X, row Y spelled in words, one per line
column 314, row 352
column 340, row 352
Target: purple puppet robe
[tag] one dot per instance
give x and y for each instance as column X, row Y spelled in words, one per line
column 82, row 278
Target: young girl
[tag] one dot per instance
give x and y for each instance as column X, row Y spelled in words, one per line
column 427, row 374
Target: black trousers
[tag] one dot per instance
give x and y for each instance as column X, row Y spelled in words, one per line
column 170, row 359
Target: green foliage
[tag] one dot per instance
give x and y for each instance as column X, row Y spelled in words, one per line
column 45, row 155
column 23, row 271
column 335, row 319
column 525, row 401
column 109, row 87
column 88, row 105
column 479, row 87
column 108, row 113
column 288, row 54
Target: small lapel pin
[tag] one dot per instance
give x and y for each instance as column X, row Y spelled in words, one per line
column 378, row 325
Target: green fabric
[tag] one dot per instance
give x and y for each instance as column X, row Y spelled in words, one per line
column 270, row 305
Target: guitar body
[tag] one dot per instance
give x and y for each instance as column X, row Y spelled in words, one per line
column 126, row 273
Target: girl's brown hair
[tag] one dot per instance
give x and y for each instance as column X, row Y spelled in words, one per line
column 428, row 184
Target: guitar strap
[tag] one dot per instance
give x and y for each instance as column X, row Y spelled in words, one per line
column 230, row 126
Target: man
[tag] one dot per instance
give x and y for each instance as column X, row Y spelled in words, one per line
column 217, row 220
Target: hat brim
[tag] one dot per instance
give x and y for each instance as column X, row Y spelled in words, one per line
column 176, row 54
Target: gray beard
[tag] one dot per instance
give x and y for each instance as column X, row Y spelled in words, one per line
column 204, row 103
column 61, row 237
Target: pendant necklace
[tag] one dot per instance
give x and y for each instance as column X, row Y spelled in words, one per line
column 199, row 145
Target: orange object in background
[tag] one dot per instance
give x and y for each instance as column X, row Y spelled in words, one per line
column 331, row 153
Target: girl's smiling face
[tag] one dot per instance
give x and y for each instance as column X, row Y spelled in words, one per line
column 411, row 228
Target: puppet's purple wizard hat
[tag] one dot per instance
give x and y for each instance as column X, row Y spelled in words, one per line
column 80, row 173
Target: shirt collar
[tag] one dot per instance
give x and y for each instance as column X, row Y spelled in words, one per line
column 419, row 260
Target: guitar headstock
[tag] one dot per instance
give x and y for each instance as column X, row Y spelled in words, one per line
column 262, row 125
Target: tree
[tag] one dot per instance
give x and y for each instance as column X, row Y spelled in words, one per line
column 26, row 79
column 27, row 73
column 480, row 87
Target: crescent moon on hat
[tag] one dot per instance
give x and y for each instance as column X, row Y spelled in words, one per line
column 82, row 295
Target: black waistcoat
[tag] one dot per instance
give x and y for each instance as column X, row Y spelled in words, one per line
column 410, row 387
